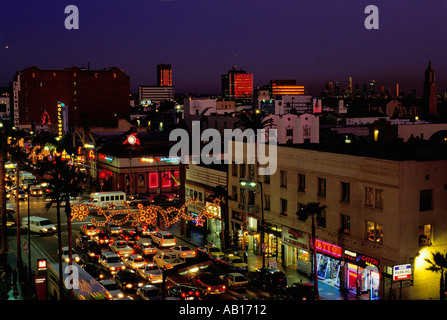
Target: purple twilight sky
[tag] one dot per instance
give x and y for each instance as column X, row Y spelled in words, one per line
column 311, row 41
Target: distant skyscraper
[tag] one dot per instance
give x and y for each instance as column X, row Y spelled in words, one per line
column 372, row 85
column 285, row 87
column 429, row 97
column 349, row 92
column 164, row 75
column 330, row 88
column 237, row 85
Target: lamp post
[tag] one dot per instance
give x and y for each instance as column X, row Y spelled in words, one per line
column 252, row 184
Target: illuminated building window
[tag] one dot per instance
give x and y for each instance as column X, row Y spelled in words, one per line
column 369, row 197
column 165, row 179
column 345, row 224
column 425, row 235
column 153, row 180
column 378, row 199
column 374, row 232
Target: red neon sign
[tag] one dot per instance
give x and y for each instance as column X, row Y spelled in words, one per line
column 153, row 180
column 328, row 248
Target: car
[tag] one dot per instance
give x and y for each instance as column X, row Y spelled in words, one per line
column 111, row 262
column 211, row 251
column 232, row 263
column 161, row 199
column 128, row 280
column 130, row 236
column 235, row 280
column 112, row 289
column 22, row 195
column 151, row 272
column 268, row 278
column 208, row 282
column 82, row 242
column 184, row 292
column 167, row 260
column 39, row 225
column 145, row 248
column 113, row 229
column 121, row 248
column 164, row 239
column 134, row 261
column 10, row 222
column 103, row 238
column 36, row 191
column 145, row 230
column 144, row 200
column 89, row 230
column 93, row 270
column 183, row 251
column 66, row 257
column 149, row 292
column 93, row 251
column 301, row 291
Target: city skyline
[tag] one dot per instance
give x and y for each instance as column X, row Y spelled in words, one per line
column 310, row 42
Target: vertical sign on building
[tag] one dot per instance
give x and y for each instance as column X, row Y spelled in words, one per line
column 40, row 280
column 62, row 119
column 16, row 89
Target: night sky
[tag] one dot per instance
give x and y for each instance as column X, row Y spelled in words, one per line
column 310, row 41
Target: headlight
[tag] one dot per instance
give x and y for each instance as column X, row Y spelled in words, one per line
column 120, row 295
column 45, row 230
column 77, row 259
column 112, row 268
column 129, row 285
column 67, row 260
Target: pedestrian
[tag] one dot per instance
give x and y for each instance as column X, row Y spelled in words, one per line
column 245, row 256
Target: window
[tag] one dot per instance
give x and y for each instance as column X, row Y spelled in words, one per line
column 234, row 193
column 369, row 197
column 234, row 170
column 267, row 179
column 242, row 166
column 425, row 200
column 284, row 207
column 379, row 199
column 425, row 235
column 283, row 179
column 345, row 224
column 289, row 132
column 322, row 187
column 345, row 192
column 374, row 232
column 301, row 182
column 267, row 201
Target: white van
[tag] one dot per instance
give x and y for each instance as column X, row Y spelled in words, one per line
column 39, row 225
column 104, row 199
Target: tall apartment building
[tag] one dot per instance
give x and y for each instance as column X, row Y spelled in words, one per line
column 94, row 98
column 385, row 203
column 164, row 75
column 237, row 85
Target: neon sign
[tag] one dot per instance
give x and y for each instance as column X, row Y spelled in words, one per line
column 328, row 248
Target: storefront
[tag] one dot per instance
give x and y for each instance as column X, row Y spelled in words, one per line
column 273, row 242
column 362, row 274
column 328, row 262
column 296, row 250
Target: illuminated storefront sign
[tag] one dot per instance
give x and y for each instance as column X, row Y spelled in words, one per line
column 106, row 158
column 360, row 260
column 402, row 272
column 328, row 248
column 295, row 238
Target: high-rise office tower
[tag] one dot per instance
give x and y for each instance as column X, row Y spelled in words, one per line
column 164, row 75
column 237, row 85
column 349, row 92
column 429, row 98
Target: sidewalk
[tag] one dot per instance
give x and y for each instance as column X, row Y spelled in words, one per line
column 326, row 291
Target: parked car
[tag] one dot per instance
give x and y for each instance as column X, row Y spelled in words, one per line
column 145, row 248
column 167, row 260
column 184, row 292
column 208, row 282
column 151, row 272
column 268, row 278
column 128, row 280
column 183, row 251
column 121, row 248
column 164, row 239
column 134, row 261
column 113, row 291
column 89, row 230
column 235, row 280
column 232, row 263
column 111, row 262
column 301, row 291
column 149, row 292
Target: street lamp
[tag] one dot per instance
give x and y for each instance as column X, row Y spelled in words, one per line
column 252, row 184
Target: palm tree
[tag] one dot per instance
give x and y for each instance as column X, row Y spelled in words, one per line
column 315, row 211
column 439, row 264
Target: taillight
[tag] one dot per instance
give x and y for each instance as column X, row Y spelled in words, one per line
column 190, row 293
column 209, row 288
column 223, row 287
column 193, row 253
column 183, row 294
column 197, row 293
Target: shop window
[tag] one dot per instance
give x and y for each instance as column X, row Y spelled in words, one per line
column 345, row 192
column 321, row 187
column 425, row 235
column 425, row 200
column 283, row 179
column 374, row 232
column 301, row 182
column 345, row 224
